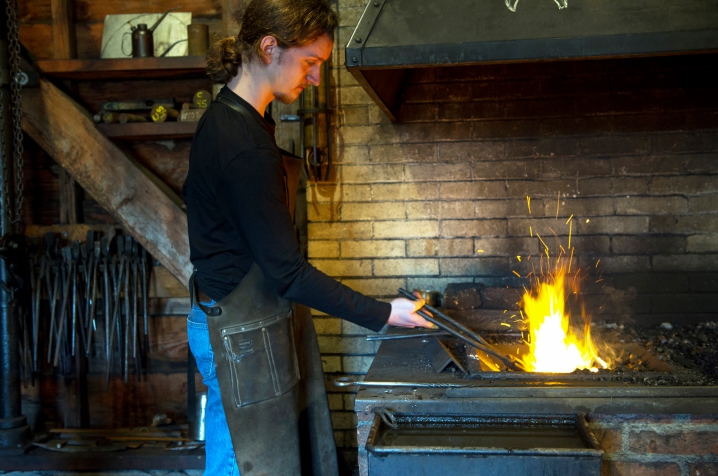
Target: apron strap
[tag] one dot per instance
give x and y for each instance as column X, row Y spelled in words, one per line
column 193, row 292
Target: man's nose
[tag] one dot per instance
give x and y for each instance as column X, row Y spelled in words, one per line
column 314, row 76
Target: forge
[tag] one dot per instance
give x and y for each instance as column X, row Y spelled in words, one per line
column 434, row 402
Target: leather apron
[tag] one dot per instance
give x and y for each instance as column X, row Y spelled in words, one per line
column 270, row 372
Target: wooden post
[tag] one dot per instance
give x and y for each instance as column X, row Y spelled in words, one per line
column 63, row 29
column 64, row 41
column 70, row 199
column 232, row 11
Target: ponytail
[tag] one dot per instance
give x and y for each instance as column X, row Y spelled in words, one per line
column 224, row 59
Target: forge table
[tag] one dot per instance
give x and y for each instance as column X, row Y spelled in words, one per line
column 517, row 393
column 508, row 423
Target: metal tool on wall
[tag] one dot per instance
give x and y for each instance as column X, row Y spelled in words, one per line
column 316, row 156
column 85, row 300
column 143, row 44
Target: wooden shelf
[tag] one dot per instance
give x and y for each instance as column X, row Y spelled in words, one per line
column 148, row 130
column 175, row 67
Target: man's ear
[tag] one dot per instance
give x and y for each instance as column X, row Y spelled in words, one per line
column 268, row 48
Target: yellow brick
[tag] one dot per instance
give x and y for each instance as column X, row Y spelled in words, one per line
column 372, row 248
column 353, row 95
column 345, row 345
column 323, row 231
column 338, row 193
column 336, row 401
column 339, row 438
column 367, row 135
column 323, row 211
column 434, row 172
column 376, row 287
column 481, row 228
column 419, row 210
column 403, row 267
column 356, row 364
column 328, row 325
column 331, row 363
column 353, row 155
column 350, row 329
column 456, row 209
column 405, row 191
column 404, row 152
column 457, row 247
column 343, row 267
column 373, row 211
column 348, row 399
column 344, row 420
column 371, row 173
column 350, row 439
column 465, row 190
column 323, row 249
column 407, row 229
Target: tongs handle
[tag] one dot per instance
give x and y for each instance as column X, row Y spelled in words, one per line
column 474, row 339
column 468, row 331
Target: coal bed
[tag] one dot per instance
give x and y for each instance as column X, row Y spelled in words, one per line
column 664, row 355
column 668, row 369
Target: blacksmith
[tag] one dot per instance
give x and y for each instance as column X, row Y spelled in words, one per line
column 252, row 337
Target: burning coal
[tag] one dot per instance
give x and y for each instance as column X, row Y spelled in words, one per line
column 553, row 346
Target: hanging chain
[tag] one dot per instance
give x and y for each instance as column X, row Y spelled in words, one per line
column 16, row 110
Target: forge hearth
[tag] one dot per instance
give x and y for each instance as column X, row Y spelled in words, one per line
column 658, row 371
column 664, row 356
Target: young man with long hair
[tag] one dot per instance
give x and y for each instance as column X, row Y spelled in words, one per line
column 249, row 330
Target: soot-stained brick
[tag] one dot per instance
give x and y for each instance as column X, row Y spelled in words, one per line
column 462, row 296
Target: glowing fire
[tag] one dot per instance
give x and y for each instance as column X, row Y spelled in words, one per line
column 553, row 346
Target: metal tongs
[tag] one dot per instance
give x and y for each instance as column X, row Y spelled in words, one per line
column 462, row 332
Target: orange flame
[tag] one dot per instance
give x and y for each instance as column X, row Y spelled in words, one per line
column 553, row 346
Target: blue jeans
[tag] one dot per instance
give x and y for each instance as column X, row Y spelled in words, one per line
column 220, row 459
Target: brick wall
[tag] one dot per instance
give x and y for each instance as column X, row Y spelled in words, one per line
column 666, row 445
column 629, row 147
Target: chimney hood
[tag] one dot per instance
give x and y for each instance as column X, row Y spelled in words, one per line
column 394, row 37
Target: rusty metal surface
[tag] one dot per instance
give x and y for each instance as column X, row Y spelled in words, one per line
column 403, row 360
column 478, row 444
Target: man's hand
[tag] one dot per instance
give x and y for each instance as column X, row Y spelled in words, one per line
column 403, row 314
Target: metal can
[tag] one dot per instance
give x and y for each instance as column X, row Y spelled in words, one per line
column 197, row 39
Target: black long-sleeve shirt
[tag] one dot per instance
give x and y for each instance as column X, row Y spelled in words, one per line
column 237, row 215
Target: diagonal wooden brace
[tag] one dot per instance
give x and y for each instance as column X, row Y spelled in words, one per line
column 138, row 200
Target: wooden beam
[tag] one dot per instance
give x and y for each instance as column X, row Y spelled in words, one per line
column 70, row 199
column 135, row 197
column 63, row 29
column 232, row 11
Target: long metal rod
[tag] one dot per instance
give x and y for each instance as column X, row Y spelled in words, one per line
column 348, row 382
column 406, row 336
column 481, row 344
column 328, row 118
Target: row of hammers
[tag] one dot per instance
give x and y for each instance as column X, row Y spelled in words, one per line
column 87, row 299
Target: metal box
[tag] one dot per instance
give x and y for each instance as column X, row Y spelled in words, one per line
column 504, row 445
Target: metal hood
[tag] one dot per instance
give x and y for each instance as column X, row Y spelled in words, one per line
column 394, row 37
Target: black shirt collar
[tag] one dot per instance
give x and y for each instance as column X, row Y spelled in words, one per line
column 265, row 122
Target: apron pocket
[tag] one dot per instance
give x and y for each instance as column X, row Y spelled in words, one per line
column 261, row 358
